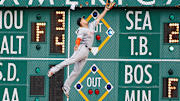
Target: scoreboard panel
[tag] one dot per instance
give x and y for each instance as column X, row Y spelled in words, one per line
column 139, row 60
column 88, row 3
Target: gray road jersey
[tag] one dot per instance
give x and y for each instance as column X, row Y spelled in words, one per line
column 87, row 34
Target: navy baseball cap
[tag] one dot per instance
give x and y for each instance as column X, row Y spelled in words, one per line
column 79, row 20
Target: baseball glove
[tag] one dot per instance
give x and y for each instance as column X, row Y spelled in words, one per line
column 110, row 4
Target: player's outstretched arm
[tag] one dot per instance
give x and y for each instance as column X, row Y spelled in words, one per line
column 102, row 15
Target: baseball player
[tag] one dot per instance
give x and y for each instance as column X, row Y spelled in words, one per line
column 83, row 44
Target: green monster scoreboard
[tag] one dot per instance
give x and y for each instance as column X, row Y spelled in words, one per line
column 135, row 55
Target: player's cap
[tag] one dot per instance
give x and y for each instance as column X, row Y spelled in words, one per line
column 79, row 20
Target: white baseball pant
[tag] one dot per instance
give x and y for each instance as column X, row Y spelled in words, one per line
column 78, row 59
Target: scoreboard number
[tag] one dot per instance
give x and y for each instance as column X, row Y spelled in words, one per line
column 171, row 33
column 38, row 30
column 57, row 32
column 170, row 87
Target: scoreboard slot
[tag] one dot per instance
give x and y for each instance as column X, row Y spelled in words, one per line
column 170, row 87
column 37, row 85
column 57, row 40
column 38, row 31
column 171, row 32
column 55, row 84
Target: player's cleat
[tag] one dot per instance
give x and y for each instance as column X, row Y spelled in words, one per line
column 50, row 74
column 66, row 91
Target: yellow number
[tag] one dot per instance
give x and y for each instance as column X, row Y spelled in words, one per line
column 170, row 87
column 39, row 31
column 61, row 21
column 60, row 43
column 176, row 33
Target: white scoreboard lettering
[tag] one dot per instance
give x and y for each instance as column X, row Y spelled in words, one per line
column 131, row 73
column 14, row 96
column 94, row 82
column 143, row 47
column 7, row 48
column 11, row 74
column 138, row 95
column 76, row 2
column 135, row 23
column 138, row 75
column 13, row 18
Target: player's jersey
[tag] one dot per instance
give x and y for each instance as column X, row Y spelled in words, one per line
column 87, row 34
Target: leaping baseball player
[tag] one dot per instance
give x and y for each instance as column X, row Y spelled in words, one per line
column 83, row 44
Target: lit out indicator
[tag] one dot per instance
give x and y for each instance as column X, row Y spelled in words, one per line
column 97, row 91
column 170, row 87
column 90, row 91
column 57, row 32
column 98, row 37
column 38, row 31
column 171, row 32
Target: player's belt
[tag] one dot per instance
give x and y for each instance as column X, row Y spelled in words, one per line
column 88, row 47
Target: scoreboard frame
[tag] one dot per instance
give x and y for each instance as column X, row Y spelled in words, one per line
column 33, row 60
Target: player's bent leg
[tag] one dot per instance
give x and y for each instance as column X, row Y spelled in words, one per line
column 68, row 82
column 60, row 66
column 74, row 74
column 63, row 64
column 77, row 56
